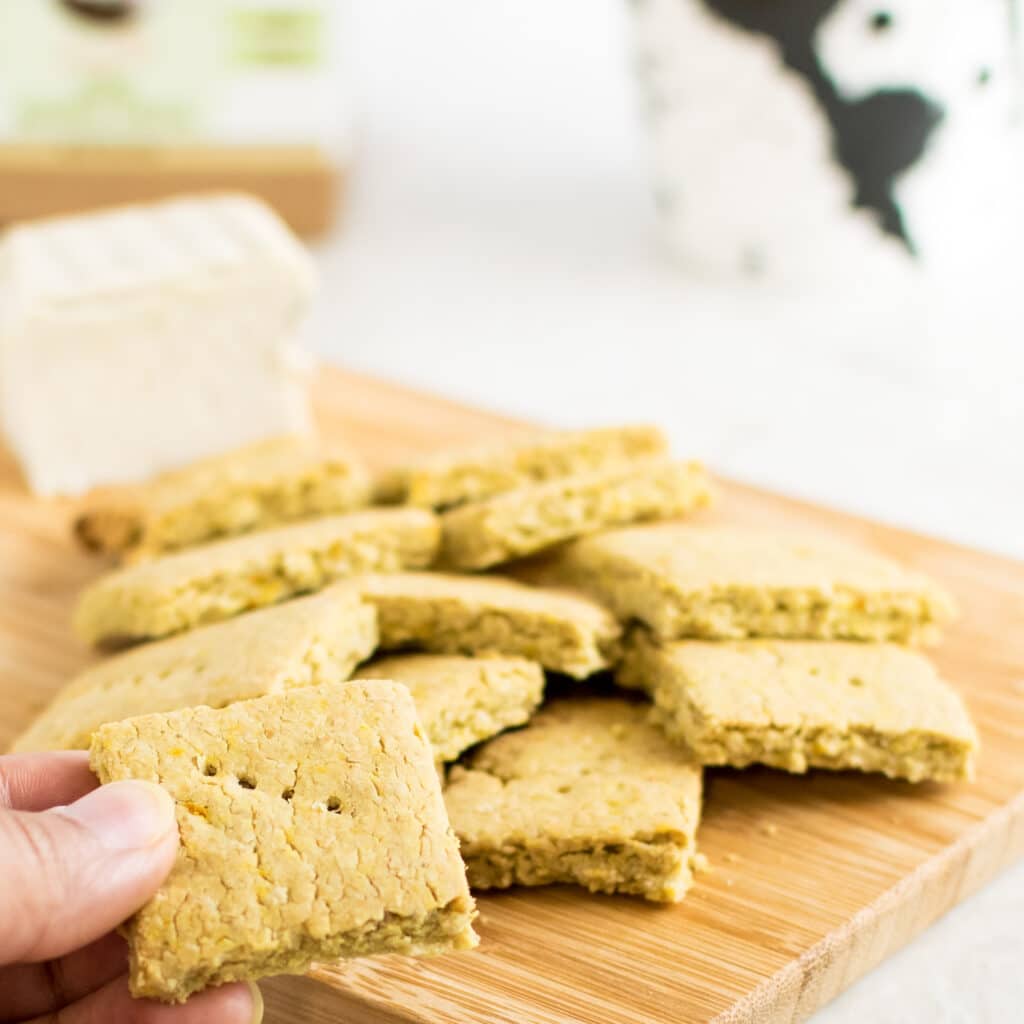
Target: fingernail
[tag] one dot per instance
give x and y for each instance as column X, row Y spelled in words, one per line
column 129, row 815
column 257, row 1002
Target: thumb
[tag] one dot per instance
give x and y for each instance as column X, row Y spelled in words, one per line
column 71, row 874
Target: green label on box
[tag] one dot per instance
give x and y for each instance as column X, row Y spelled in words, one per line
column 277, row 37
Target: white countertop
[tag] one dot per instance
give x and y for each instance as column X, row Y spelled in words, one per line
column 499, row 248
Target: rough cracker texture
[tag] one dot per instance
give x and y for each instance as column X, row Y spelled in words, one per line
column 452, row 477
column 312, row 827
column 218, row 581
column 308, row 641
column 463, row 701
column 534, row 517
column 799, row 705
column 450, row 614
column 251, row 488
column 724, row 583
column 589, row 792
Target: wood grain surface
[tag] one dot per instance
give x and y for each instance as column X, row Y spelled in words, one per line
column 814, row 880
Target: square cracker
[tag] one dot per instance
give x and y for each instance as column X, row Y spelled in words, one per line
column 521, row 522
column 312, row 827
column 589, row 792
column 451, row 614
column 797, row 705
column 250, row 488
column 305, row 642
column 463, row 701
column 450, row 478
column 729, row 583
column 220, row 580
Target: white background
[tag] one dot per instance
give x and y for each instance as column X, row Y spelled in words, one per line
column 499, row 247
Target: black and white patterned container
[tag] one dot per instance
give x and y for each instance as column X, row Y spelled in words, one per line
column 801, row 138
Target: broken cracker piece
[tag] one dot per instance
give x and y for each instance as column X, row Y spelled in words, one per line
column 590, row 793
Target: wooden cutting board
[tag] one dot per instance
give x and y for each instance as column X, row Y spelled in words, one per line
column 814, row 880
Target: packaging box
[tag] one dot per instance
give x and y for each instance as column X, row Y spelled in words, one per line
column 112, row 101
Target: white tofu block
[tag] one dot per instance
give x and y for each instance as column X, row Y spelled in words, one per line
column 142, row 338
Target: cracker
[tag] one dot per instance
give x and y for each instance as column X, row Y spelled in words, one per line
column 590, row 793
column 724, row 583
column 250, row 488
column 452, row 477
column 305, row 642
column 220, row 580
column 521, row 522
column 312, row 827
column 799, row 704
column 463, row 701
column 450, row 614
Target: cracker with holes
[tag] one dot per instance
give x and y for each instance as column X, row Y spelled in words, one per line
column 312, row 828
column 463, row 701
column 305, row 642
column 451, row 614
column 798, row 705
column 217, row 581
column 589, row 792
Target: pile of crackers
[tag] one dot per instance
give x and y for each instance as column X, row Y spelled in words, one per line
column 341, row 681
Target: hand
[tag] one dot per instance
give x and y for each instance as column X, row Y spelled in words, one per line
column 75, row 861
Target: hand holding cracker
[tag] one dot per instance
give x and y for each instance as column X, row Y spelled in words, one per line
column 75, row 861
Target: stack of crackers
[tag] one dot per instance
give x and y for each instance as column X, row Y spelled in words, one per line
column 341, row 681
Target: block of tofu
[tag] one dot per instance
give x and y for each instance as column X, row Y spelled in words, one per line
column 312, row 828
column 590, row 793
column 516, row 523
column 251, row 488
column 463, row 701
column 220, row 580
column 142, row 338
column 722, row 583
column 450, row 614
column 452, row 477
column 305, row 642
column 801, row 704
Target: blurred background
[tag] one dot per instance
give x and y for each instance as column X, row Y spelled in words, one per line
column 594, row 211
column 500, row 245
column 789, row 232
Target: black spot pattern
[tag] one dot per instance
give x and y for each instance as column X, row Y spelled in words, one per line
column 102, row 10
column 873, row 139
